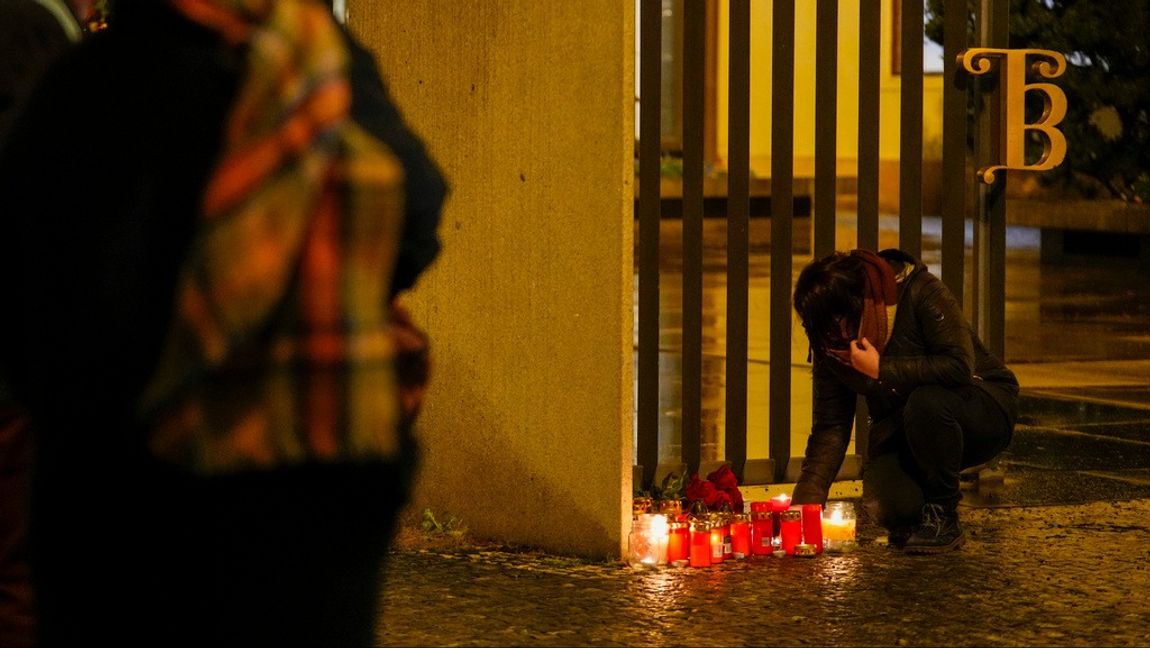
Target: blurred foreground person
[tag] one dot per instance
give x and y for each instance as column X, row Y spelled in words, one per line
column 882, row 326
column 200, row 274
column 32, row 34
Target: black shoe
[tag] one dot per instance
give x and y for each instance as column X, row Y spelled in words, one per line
column 898, row 536
column 939, row 531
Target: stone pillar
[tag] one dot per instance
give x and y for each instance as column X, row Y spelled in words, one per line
column 528, row 106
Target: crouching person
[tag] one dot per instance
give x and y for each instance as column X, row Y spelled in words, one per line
column 882, row 326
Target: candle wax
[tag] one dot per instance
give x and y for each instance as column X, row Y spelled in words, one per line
column 839, row 529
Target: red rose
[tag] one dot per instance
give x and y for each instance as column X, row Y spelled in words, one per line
column 725, row 482
column 698, row 489
column 724, row 478
column 713, row 498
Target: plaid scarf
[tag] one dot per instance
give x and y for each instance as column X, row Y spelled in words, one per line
column 281, row 349
column 880, row 298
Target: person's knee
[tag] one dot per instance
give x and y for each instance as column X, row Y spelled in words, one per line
column 930, row 403
column 929, row 412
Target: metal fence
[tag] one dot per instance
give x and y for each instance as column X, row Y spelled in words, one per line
column 987, row 207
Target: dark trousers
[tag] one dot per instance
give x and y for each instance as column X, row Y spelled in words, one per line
column 916, row 454
column 285, row 557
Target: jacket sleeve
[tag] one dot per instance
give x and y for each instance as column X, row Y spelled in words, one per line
column 833, row 418
column 425, row 188
column 949, row 347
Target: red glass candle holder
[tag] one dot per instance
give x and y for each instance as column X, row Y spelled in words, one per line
column 813, row 526
column 741, row 536
column 700, row 551
column 717, row 542
column 762, row 528
column 678, row 543
column 792, row 529
column 779, row 504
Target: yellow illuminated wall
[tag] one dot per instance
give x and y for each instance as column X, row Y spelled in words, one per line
column 804, row 97
column 527, row 429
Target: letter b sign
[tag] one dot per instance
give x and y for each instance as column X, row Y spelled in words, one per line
column 1013, row 91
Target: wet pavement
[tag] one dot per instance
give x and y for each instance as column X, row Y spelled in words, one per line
column 1057, row 554
column 1058, row 549
column 1045, row 576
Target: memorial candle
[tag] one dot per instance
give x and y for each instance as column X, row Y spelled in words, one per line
column 791, row 533
column 779, row 503
column 741, row 536
column 762, row 529
column 813, row 526
column 647, row 542
column 717, row 543
column 678, row 543
column 839, row 527
column 700, row 544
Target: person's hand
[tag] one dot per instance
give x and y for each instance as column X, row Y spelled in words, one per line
column 864, row 358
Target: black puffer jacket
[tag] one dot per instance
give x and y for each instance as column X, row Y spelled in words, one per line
column 930, row 343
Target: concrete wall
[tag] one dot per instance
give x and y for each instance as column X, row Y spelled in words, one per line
column 529, row 108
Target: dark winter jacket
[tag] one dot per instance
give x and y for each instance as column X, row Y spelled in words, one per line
column 930, row 343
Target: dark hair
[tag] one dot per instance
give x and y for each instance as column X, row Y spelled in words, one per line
column 830, row 291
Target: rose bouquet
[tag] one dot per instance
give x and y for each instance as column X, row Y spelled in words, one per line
column 720, row 491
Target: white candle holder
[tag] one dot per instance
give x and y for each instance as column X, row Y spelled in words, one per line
column 647, row 542
column 839, row 527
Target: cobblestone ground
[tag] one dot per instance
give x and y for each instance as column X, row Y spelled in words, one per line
column 1043, row 576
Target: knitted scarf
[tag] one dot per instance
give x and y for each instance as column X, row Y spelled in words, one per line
column 880, row 297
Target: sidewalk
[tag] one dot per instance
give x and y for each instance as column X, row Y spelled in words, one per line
column 1046, row 576
column 1057, row 555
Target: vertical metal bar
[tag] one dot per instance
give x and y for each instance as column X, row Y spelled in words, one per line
column 826, row 133
column 989, row 281
column 650, row 80
column 981, row 255
column 954, row 176
column 982, row 153
column 694, row 42
column 738, row 211
column 782, row 214
column 870, row 34
column 910, row 141
column 996, row 203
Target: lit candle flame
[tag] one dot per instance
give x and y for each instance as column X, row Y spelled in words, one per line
column 659, row 526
